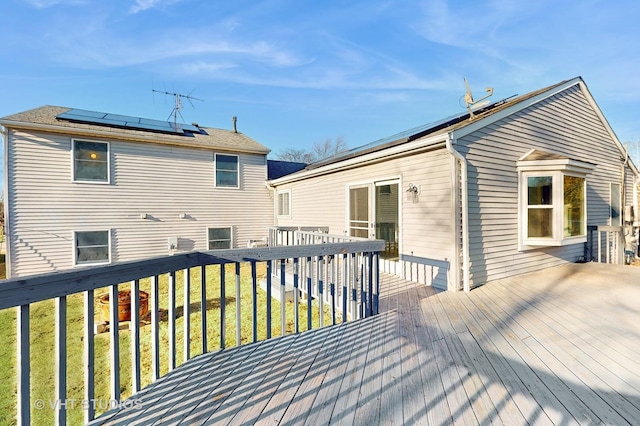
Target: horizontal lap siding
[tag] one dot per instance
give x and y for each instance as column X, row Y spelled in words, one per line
column 163, row 182
column 564, row 124
column 426, row 225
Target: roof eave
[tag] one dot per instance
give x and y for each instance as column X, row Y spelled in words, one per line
column 124, row 136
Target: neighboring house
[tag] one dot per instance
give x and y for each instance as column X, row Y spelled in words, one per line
column 512, row 190
column 84, row 188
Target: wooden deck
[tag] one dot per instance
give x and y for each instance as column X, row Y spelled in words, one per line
column 558, row 347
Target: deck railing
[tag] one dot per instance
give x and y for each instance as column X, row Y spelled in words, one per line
column 611, row 248
column 21, row 293
column 351, row 274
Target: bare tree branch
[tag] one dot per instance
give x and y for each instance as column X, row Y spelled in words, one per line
column 319, row 151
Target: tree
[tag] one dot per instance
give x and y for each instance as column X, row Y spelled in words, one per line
column 319, row 151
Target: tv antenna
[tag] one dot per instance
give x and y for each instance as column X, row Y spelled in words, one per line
column 178, row 97
column 472, row 104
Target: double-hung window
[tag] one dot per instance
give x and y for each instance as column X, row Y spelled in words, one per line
column 92, row 247
column 227, row 175
column 553, row 201
column 90, row 161
column 284, row 203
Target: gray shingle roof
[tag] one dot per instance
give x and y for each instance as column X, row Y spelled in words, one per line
column 45, row 118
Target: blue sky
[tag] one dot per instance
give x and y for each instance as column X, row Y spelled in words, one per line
column 297, row 72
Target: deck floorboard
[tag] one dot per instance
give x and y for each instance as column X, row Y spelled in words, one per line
column 556, row 347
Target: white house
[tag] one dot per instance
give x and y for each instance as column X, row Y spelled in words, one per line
column 84, row 188
column 516, row 188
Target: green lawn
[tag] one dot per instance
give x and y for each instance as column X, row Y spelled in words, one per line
column 42, row 340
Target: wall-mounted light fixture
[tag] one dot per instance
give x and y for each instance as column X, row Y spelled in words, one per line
column 143, row 215
column 412, row 192
column 182, row 215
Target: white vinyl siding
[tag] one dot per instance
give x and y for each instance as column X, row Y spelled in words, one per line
column 565, row 124
column 426, row 225
column 172, row 185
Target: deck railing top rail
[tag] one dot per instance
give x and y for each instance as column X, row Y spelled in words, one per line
column 35, row 288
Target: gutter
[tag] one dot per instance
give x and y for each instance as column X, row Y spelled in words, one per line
column 464, row 209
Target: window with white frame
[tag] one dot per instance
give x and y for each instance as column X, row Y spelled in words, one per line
column 553, row 201
column 227, row 175
column 90, row 161
column 218, row 238
column 92, row 247
column 284, row 203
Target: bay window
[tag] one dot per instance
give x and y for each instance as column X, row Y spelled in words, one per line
column 553, row 202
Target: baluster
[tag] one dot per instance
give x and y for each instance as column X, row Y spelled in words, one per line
column 283, row 282
column 345, row 283
column 320, row 277
column 135, row 335
column 114, row 333
column 354, row 286
column 332, row 279
column 203, row 307
column 61, row 359
column 309, row 292
column 186, row 315
column 296, row 296
column 172, row 320
column 24, row 366
column 155, row 330
column 89, row 354
column 223, row 307
column 254, row 301
column 376, row 283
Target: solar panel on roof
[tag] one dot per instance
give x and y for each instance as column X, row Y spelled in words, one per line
column 127, row 122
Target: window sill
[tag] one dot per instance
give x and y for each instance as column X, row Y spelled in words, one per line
column 538, row 243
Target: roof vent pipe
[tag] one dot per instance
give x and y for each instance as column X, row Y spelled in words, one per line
column 234, row 120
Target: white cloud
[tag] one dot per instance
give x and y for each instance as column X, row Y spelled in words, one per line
column 142, row 5
column 44, row 4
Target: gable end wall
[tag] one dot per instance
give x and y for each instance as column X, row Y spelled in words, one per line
column 565, row 124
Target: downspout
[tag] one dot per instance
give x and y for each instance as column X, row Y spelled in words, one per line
column 4, row 132
column 464, row 210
